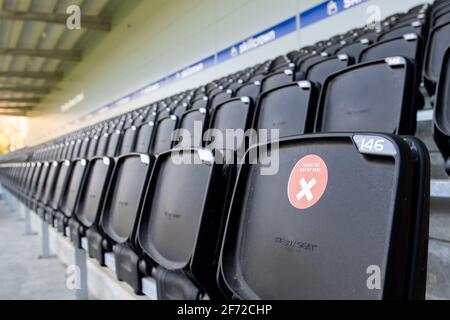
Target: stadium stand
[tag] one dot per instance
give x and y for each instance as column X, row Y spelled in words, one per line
column 349, row 102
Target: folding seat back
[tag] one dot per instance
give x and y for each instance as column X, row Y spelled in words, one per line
column 321, row 70
column 114, row 144
column 84, row 148
column 163, row 135
column 191, row 129
column 220, row 97
column 289, row 108
column 277, row 79
column 93, row 144
column 251, row 90
column 35, row 179
column 102, row 145
column 180, row 109
column 182, row 238
column 70, row 193
column 77, row 149
column 441, row 117
column 144, row 137
column 308, row 63
column 91, row 198
column 233, row 116
column 42, row 181
column 49, row 189
column 60, row 185
column 287, row 234
column 202, row 102
column 442, row 18
column 123, row 200
column 409, row 46
column 354, row 49
column 128, row 140
column 438, row 43
column 370, row 97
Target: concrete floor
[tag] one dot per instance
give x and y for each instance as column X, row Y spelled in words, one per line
column 23, row 276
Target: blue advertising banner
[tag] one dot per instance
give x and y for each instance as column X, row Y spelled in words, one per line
column 275, row 32
column 325, row 10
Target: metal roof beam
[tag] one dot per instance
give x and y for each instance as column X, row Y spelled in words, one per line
column 13, row 114
column 25, row 89
column 87, row 22
column 19, row 100
column 54, row 76
column 14, row 108
column 74, row 55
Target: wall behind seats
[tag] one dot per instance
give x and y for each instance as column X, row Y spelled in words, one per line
column 152, row 39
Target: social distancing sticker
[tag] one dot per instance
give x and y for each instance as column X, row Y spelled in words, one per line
column 307, row 182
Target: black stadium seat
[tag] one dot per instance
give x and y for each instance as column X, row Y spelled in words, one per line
column 192, row 127
column 69, row 195
column 289, row 108
column 438, row 42
column 86, row 214
column 321, row 70
column 251, row 90
column 182, row 238
column 144, row 137
column 65, row 168
column 234, row 114
column 441, row 121
column 122, row 204
column 163, row 135
column 277, row 79
column 378, row 98
column 354, row 49
column 289, row 235
column 128, row 140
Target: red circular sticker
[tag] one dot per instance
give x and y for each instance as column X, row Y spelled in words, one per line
column 307, row 182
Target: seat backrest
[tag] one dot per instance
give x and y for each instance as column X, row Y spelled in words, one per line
column 441, row 119
column 277, row 79
column 370, row 97
column 93, row 191
column 409, row 46
column 51, row 182
column 354, row 49
column 122, row 204
column 102, row 145
column 128, row 140
column 289, row 108
column 443, row 17
column 294, row 224
column 438, row 43
column 42, row 181
column 251, row 89
column 72, row 188
column 114, row 143
column 92, row 149
column 61, row 181
column 163, row 135
column 220, row 97
column 84, row 148
column 191, row 129
column 144, row 137
column 185, row 235
column 234, row 114
column 321, row 70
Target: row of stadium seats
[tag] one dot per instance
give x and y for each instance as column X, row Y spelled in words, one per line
column 162, row 201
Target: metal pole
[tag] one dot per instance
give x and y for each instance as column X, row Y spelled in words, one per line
column 45, row 241
column 80, row 260
column 27, row 215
